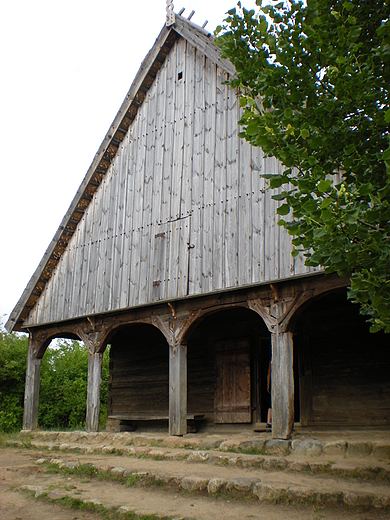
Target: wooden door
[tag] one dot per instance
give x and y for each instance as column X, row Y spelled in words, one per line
column 232, row 398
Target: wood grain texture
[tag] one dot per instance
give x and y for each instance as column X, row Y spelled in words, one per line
column 31, row 394
column 182, row 209
column 282, row 385
column 95, row 361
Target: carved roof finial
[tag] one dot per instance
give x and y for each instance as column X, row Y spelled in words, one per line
column 170, row 18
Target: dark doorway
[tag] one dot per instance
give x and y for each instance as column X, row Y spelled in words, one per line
column 228, row 355
column 343, row 368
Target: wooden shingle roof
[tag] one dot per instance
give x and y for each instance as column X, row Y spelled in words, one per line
column 181, row 28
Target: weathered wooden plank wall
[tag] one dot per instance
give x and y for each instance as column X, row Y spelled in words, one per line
column 344, row 369
column 182, row 209
column 139, row 356
column 139, row 381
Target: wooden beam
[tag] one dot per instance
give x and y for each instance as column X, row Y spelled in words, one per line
column 95, row 362
column 282, row 385
column 178, row 390
column 31, row 394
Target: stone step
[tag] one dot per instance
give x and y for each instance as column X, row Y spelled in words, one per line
column 262, row 454
column 237, row 483
column 344, row 447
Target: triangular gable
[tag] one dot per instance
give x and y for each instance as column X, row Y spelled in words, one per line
column 203, row 42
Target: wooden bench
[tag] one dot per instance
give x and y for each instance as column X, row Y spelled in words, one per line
column 125, row 422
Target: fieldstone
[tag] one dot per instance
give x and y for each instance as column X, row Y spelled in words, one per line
column 66, row 436
column 69, row 465
column 381, row 502
column 316, row 467
column 176, row 455
column 330, row 498
column 31, row 487
column 235, row 461
column 130, row 450
column 164, row 478
column 357, row 499
column 55, row 461
column 211, row 444
column 297, row 492
column 343, row 466
column 253, row 446
column 228, row 445
column 118, row 471
column 54, row 495
column 335, row 448
column 40, row 492
column 269, row 492
column 105, row 468
column 64, row 446
column 253, row 461
column 142, row 450
column 108, row 449
column 381, row 451
column 40, row 461
column 272, row 463
column 299, row 466
column 90, row 449
column 241, row 484
column 198, row 456
column 277, row 447
column 216, row 484
column 126, row 509
column 121, row 438
column 194, row 483
column 157, row 453
column 96, row 501
column 308, row 447
column 359, row 449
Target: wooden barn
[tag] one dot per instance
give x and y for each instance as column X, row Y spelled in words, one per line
column 171, row 253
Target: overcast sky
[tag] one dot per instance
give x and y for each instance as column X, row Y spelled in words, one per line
column 66, row 67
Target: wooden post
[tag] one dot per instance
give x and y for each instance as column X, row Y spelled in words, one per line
column 178, row 389
column 95, row 362
column 31, row 394
column 282, row 381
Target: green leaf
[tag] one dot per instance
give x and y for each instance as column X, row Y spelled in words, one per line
column 386, row 155
column 252, row 128
column 324, row 186
column 305, row 133
column 387, row 116
column 283, row 210
column 348, row 6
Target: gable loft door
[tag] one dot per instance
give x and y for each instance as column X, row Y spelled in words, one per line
column 232, row 398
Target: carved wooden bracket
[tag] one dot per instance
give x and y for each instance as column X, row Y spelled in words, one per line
column 277, row 314
column 175, row 327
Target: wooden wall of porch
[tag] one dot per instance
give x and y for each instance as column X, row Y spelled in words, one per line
column 186, row 359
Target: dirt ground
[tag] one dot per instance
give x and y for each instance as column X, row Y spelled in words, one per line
column 18, row 467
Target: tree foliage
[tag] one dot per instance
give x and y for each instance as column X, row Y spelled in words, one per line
column 63, row 384
column 315, row 94
column 13, row 355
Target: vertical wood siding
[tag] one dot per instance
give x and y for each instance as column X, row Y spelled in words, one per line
column 182, row 209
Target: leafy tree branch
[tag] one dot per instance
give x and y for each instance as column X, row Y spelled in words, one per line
column 315, row 94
